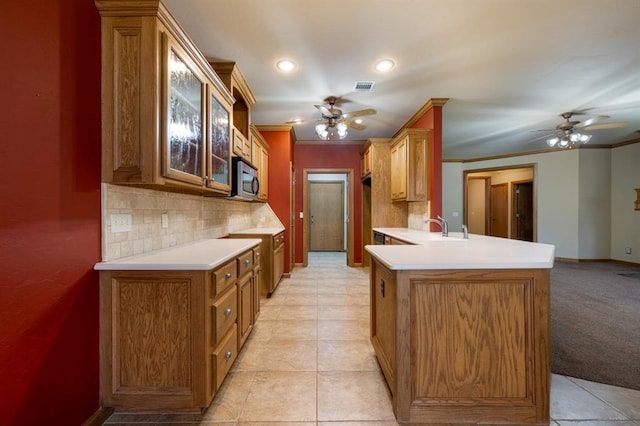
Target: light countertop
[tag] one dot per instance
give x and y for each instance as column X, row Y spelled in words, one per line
column 197, row 256
column 260, row 231
column 433, row 251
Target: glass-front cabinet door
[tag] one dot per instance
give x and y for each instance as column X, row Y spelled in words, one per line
column 218, row 138
column 184, row 146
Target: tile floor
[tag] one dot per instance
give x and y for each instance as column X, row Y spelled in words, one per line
column 308, row 361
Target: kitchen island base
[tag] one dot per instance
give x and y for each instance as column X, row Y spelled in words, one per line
column 463, row 346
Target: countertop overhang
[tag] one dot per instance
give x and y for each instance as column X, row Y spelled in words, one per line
column 201, row 255
column 433, row 251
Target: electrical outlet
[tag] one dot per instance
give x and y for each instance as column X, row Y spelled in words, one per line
column 120, row 223
column 165, row 220
column 627, row 250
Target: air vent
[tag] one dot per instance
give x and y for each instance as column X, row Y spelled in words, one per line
column 364, row 86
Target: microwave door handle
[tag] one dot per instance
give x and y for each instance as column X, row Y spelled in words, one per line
column 255, row 185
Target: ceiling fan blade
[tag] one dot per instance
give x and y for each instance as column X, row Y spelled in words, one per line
column 354, row 125
column 591, row 121
column 360, row 113
column 324, row 110
column 606, row 125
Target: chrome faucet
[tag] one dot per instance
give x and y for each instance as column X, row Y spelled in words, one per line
column 465, row 231
column 443, row 224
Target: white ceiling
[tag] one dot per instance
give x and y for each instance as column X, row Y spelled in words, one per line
column 508, row 67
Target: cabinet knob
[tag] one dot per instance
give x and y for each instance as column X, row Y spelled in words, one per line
column 227, row 275
column 246, row 261
column 227, row 312
column 228, row 355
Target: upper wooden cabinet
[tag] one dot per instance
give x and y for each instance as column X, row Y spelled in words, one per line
column 235, row 82
column 165, row 112
column 260, row 157
column 410, row 165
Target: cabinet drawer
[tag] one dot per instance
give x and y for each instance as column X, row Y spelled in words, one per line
column 224, row 356
column 224, row 311
column 224, row 276
column 278, row 239
column 245, row 263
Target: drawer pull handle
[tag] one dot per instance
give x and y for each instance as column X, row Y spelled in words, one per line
column 246, row 261
column 382, row 287
column 227, row 312
column 227, row 275
column 228, row 355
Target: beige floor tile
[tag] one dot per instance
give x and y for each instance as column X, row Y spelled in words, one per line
column 298, row 312
column 571, row 402
column 281, row 396
column 295, row 329
column 280, row 355
column 346, row 355
column 353, row 395
column 367, row 423
column 301, row 299
column 230, row 398
column 625, row 400
column 269, row 312
column 343, row 329
column 348, row 312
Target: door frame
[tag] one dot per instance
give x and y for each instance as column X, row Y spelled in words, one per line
column 533, row 166
column 305, row 211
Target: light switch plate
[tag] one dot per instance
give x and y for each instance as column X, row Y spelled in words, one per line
column 165, row 220
column 120, row 223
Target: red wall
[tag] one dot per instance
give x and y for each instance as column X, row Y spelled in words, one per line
column 432, row 119
column 280, row 162
column 329, row 156
column 49, row 211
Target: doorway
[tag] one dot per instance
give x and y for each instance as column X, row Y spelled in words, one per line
column 501, row 201
column 332, row 226
column 326, row 216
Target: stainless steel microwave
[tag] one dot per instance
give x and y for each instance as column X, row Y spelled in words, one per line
column 244, row 179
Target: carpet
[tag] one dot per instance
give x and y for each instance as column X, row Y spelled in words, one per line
column 595, row 322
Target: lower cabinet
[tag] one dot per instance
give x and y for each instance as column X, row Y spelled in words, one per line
column 168, row 338
column 271, row 258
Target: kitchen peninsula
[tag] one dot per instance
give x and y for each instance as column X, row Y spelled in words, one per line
column 461, row 327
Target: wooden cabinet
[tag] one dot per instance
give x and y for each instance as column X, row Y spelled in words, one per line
column 165, row 112
column 410, row 165
column 365, row 163
column 463, row 346
column 169, row 337
column 261, row 161
column 235, row 82
column 257, row 282
column 271, row 258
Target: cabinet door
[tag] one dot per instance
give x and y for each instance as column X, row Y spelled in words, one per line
column 184, row 102
column 418, row 168
column 399, row 170
column 365, row 163
column 278, row 265
column 245, row 309
column 383, row 327
column 218, row 143
column 264, row 174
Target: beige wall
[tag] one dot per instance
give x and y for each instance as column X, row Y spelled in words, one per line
column 191, row 218
column 584, row 199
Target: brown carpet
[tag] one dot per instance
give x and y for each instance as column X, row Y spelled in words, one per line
column 595, row 322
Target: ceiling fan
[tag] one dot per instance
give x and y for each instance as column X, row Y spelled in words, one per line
column 334, row 122
column 568, row 133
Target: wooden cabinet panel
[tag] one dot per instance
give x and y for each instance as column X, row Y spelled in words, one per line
column 410, row 165
column 365, row 163
column 261, row 161
column 224, row 356
column 245, row 309
column 383, row 321
column 271, row 259
column 224, row 276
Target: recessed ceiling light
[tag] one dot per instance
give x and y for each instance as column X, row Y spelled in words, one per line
column 384, row 65
column 358, row 120
column 286, row 65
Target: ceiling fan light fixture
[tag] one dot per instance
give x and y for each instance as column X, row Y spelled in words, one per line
column 553, row 141
column 321, row 131
column 286, row 65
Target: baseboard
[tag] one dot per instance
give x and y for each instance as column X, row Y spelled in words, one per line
column 99, row 417
column 571, row 260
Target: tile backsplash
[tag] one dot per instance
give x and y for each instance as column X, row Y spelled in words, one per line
column 418, row 212
column 188, row 218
